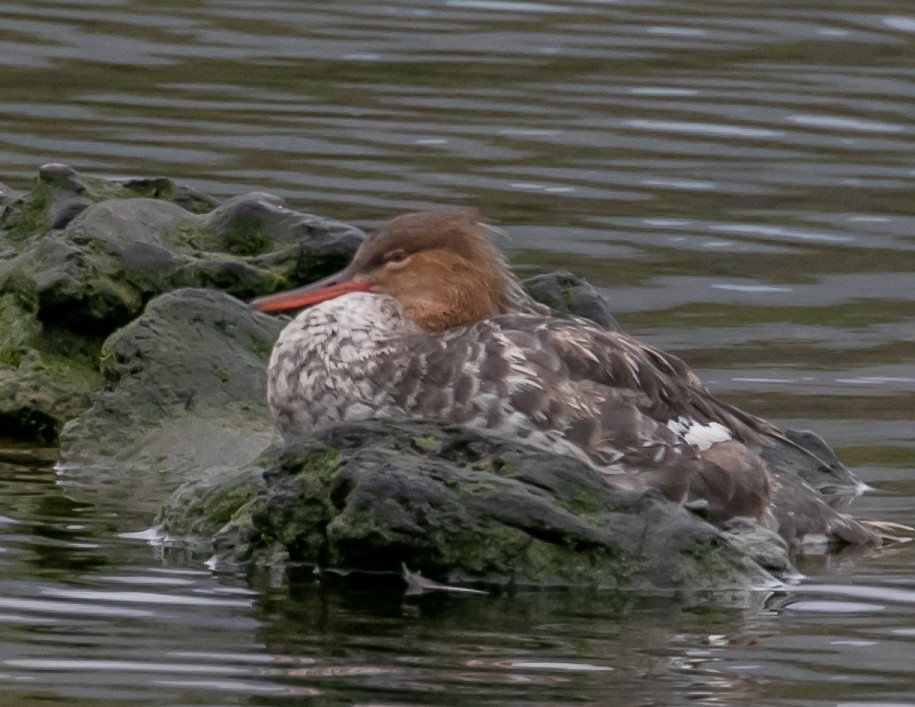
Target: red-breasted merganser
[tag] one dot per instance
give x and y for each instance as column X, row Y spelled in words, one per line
column 427, row 321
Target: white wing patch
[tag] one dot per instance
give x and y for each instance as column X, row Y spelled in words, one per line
column 699, row 435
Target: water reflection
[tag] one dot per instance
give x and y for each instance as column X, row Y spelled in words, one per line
column 143, row 621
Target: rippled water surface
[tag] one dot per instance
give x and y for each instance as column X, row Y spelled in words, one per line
column 738, row 178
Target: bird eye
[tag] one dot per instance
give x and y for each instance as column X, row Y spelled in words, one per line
column 396, row 256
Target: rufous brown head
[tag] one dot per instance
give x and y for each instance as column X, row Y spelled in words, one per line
column 441, row 266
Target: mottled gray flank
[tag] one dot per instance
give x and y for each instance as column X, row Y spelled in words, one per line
column 561, row 385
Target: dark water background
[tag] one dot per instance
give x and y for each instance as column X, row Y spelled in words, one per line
column 738, row 178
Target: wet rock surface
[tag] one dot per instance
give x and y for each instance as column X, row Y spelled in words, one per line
column 565, row 292
column 457, row 506
column 80, row 257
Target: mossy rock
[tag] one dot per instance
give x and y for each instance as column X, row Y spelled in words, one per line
column 378, row 495
column 81, row 257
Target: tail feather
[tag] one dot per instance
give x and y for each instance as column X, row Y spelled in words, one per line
column 890, row 533
column 802, row 514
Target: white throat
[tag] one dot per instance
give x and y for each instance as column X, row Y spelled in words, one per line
column 324, row 367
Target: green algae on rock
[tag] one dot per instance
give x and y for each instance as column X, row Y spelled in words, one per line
column 185, row 392
column 565, row 292
column 457, row 506
column 81, row 256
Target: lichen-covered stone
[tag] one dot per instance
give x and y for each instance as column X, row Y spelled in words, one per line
column 81, row 256
column 60, row 193
column 569, row 293
column 185, row 392
column 458, row 507
column 45, row 376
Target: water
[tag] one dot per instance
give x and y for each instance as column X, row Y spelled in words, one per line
column 736, row 177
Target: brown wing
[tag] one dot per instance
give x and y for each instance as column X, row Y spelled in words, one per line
column 605, row 399
column 582, row 392
column 671, row 389
column 761, row 472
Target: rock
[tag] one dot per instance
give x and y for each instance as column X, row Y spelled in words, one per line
column 818, row 465
column 565, row 292
column 80, row 257
column 60, row 193
column 45, row 377
column 458, row 507
column 185, row 392
column 765, row 546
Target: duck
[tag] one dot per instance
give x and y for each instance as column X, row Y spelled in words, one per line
column 428, row 321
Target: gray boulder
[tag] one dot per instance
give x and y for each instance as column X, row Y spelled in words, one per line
column 185, row 391
column 80, row 257
column 565, row 292
column 459, row 507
